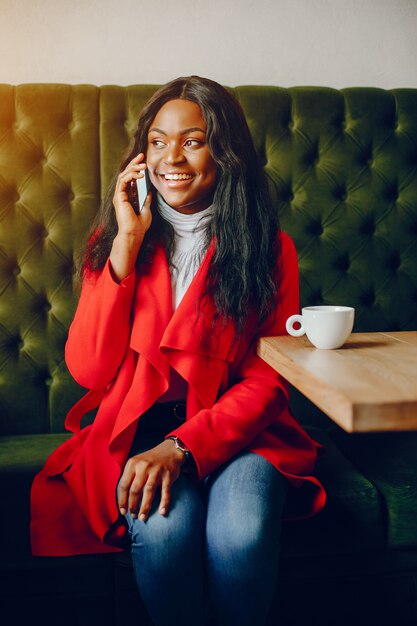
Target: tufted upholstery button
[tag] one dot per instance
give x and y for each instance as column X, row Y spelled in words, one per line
column 312, row 158
column 44, row 377
column 41, row 304
column 263, row 160
column 16, row 270
column 340, row 194
column 342, row 263
column 394, row 261
column 315, row 227
column 15, row 343
column 41, row 231
column 68, row 268
column 341, row 123
column 287, row 195
column 367, row 226
column 366, row 158
column 14, row 195
column 391, row 193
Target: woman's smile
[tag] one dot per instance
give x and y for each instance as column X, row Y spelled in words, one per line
column 180, row 165
column 175, row 180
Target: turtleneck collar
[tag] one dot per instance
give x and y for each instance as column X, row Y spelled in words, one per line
column 184, row 224
column 190, row 245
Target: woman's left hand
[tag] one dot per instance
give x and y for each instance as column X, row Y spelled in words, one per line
column 143, row 474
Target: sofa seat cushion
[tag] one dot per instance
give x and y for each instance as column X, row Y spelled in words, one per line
column 21, row 457
column 353, row 520
column 38, row 587
column 389, row 461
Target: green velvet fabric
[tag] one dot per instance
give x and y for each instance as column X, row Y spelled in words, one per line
column 49, row 193
column 342, row 168
column 353, row 522
column 342, row 171
column 389, row 461
column 21, row 457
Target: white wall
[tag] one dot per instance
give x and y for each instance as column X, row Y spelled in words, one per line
column 338, row 43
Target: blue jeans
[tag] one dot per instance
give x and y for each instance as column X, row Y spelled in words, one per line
column 218, row 547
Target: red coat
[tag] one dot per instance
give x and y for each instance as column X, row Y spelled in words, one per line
column 121, row 345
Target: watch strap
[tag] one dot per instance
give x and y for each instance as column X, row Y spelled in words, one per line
column 180, row 446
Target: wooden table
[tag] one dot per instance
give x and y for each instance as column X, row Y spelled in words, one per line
column 370, row 384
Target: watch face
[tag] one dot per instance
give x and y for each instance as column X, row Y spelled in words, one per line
column 181, row 446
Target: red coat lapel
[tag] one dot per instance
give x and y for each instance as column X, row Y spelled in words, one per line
column 152, row 311
column 172, row 339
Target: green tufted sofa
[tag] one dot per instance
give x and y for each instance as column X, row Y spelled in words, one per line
column 342, row 167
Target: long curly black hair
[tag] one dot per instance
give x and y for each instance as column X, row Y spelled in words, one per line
column 242, row 277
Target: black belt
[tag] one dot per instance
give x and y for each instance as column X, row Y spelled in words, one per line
column 166, row 411
column 159, row 420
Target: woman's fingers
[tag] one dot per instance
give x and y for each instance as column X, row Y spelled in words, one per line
column 138, row 160
column 144, row 475
column 134, row 170
column 129, row 220
column 165, row 494
column 128, row 176
column 123, row 488
column 148, row 494
column 141, row 495
column 122, row 495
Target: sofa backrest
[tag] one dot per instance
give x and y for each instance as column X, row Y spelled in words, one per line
column 342, row 167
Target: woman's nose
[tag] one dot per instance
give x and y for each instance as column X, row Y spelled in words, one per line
column 174, row 154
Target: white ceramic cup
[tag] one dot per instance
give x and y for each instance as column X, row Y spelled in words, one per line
column 327, row 327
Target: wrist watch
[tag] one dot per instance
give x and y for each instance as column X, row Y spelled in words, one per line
column 180, row 446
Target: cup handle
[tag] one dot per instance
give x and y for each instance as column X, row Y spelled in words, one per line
column 290, row 326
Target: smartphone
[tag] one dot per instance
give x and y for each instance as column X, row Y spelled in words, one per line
column 137, row 192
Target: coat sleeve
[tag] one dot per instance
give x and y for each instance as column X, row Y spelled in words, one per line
column 258, row 395
column 99, row 333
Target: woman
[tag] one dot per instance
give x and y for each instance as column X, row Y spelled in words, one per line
column 193, row 455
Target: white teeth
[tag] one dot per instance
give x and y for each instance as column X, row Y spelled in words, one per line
column 177, row 176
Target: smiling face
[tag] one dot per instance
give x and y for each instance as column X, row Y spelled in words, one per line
column 180, row 165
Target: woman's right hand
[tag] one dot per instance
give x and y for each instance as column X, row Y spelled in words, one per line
column 132, row 227
column 144, row 474
column 128, row 221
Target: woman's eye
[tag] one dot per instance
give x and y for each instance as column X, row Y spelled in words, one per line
column 157, row 143
column 190, row 143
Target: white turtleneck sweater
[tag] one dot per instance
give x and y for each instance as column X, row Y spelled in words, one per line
column 189, row 249
column 189, row 246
